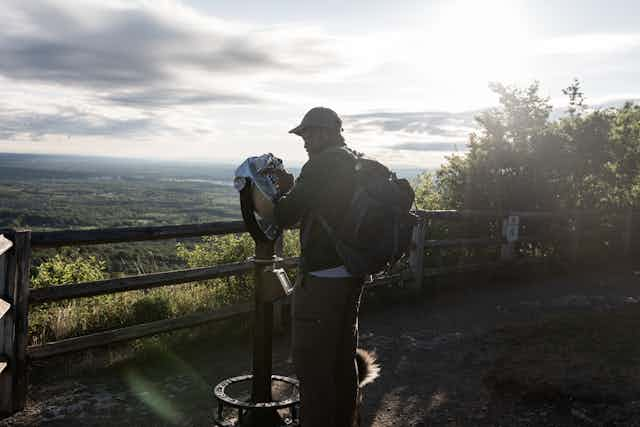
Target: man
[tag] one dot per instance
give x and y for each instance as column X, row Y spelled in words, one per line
column 327, row 298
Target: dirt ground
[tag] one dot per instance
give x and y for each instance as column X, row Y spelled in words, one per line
column 563, row 351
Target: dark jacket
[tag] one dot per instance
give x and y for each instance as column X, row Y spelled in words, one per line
column 325, row 186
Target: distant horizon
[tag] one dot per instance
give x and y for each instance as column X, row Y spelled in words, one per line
column 129, row 162
column 89, row 156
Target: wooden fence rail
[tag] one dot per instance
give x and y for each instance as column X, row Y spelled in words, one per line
column 15, row 295
column 54, row 239
column 143, row 281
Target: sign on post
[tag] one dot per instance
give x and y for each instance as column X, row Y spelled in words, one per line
column 510, row 228
column 510, row 232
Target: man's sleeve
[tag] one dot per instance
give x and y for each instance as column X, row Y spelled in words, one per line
column 291, row 207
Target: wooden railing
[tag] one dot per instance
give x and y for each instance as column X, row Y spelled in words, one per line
column 427, row 259
column 15, row 262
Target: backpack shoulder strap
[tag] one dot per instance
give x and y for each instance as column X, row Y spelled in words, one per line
column 330, row 231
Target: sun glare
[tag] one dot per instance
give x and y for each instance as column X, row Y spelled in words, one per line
column 477, row 41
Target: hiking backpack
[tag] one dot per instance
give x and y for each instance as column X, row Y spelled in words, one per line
column 377, row 226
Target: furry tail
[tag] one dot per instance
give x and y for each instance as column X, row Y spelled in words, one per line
column 368, row 368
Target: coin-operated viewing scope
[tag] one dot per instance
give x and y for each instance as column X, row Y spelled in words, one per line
column 258, row 188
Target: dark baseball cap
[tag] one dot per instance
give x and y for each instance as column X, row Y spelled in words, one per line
column 319, row 117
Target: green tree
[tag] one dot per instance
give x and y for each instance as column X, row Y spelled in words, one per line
column 520, row 159
column 66, row 268
column 625, row 146
column 61, row 319
column 576, row 98
column 427, row 195
column 493, row 174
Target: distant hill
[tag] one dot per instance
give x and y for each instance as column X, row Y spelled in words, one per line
column 42, row 166
column 58, row 166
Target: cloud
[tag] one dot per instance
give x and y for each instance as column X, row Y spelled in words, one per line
column 150, row 53
column 589, row 44
column 615, row 101
column 67, row 122
column 115, row 68
column 64, row 63
column 430, row 146
column 172, row 97
column 433, row 123
column 129, row 47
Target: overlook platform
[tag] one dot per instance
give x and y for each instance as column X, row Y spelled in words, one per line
column 537, row 351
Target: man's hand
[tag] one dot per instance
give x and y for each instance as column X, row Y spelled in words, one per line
column 284, row 180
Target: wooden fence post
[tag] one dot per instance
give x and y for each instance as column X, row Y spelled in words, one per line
column 627, row 234
column 6, row 332
column 416, row 255
column 576, row 237
column 23, row 263
column 14, row 293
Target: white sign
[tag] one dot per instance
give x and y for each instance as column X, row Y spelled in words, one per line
column 510, row 228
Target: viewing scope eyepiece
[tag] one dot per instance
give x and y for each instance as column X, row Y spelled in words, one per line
column 258, row 189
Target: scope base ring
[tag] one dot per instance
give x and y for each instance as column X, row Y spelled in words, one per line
column 244, row 407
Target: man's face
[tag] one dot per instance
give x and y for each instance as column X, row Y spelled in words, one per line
column 314, row 140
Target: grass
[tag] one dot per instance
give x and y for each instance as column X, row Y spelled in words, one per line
column 55, row 321
column 59, row 320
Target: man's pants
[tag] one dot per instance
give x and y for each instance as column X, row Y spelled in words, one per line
column 325, row 337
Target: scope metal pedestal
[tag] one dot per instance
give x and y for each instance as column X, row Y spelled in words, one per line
column 261, row 410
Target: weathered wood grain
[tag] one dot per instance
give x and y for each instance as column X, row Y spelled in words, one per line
column 491, row 213
column 416, row 253
column 627, row 233
column 452, row 243
column 144, row 281
column 52, row 239
column 440, row 271
column 456, row 243
column 7, row 329
column 21, row 309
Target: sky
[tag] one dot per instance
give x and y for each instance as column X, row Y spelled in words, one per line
column 221, row 80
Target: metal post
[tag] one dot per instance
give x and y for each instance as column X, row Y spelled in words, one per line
column 262, row 324
column 263, row 328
